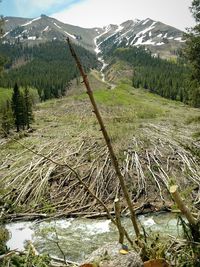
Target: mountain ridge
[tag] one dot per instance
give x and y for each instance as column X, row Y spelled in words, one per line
column 155, row 35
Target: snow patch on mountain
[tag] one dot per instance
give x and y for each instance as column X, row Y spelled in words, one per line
column 57, row 26
column 148, row 28
column 149, row 42
column 71, row 35
column 120, row 28
column 46, row 29
column 32, row 38
column 179, row 39
column 145, row 22
column 28, row 23
column 98, row 51
column 5, row 34
column 160, row 43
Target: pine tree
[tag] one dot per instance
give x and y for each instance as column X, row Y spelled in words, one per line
column 193, row 54
column 18, row 108
column 28, row 108
column 2, row 59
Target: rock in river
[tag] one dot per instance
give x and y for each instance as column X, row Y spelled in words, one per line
column 110, row 256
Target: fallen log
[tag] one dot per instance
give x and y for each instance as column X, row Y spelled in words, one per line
column 56, row 260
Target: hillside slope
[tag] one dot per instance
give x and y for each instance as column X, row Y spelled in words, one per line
column 157, row 143
column 48, row 67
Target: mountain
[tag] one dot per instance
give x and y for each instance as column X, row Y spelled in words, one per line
column 31, row 44
column 44, row 28
column 158, row 37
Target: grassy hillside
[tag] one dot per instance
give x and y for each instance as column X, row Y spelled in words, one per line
column 5, row 94
column 156, row 141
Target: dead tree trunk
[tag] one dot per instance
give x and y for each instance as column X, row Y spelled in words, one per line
column 107, row 140
column 118, row 221
column 193, row 223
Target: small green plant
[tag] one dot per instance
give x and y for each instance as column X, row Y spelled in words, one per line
column 4, row 236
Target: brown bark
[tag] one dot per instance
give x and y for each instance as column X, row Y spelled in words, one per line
column 194, row 224
column 107, row 140
column 118, row 221
column 181, row 205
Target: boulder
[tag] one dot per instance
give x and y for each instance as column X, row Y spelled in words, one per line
column 110, row 256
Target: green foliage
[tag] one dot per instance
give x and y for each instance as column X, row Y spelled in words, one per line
column 2, row 58
column 49, row 67
column 18, row 108
column 155, row 247
column 29, row 260
column 4, row 236
column 195, row 9
column 7, row 119
column 188, row 255
column 162, row 77
column 6, row 94
column 192, row 53
column 193, row 119
column 28, row 113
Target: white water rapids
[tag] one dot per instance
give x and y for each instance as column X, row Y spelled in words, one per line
column 79, row 237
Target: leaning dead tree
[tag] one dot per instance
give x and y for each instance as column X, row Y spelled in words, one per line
column 193, row 222
column 107, row 140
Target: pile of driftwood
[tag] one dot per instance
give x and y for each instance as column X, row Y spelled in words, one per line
column 42, row 180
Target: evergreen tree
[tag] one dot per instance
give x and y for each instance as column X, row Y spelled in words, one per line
column 2, row 59
column 49, row 66
column 28, row 108
column 7, row 118
column 193, row 54
column 18, row 108
column 155, row 74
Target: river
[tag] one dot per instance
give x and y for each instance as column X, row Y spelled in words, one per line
column 79, row 237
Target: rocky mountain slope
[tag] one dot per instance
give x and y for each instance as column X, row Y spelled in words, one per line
column 44, row 29
column 155, row 35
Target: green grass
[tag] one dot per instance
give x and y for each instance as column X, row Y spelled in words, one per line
column 126, row 112
column 6, row 94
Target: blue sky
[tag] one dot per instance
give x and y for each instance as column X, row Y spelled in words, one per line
column 98, row 13
column 34, row 8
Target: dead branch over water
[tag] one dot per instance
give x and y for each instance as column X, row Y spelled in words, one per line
column 107, row 141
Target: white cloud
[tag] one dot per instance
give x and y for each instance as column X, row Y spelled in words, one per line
column 93, row 13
